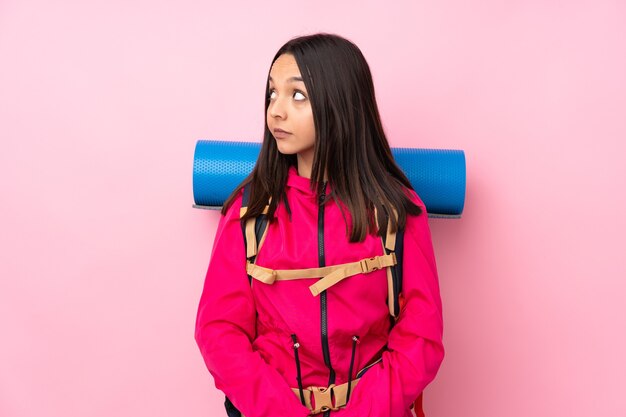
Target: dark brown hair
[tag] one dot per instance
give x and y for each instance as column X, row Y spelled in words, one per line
column 350, row 144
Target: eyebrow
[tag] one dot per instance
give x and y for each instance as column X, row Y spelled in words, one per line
column 290, row 79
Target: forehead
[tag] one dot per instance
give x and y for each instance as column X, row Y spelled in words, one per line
column 285, row 69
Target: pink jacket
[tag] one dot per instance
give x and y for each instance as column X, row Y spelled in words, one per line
column 245, row 332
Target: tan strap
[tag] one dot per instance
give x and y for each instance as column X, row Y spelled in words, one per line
column 390, row 299
column 251, row 248
column 363, row 266
column 331, row 274
column 391, row 237
column 322, row 396
column 391, row 245
column 243, row 210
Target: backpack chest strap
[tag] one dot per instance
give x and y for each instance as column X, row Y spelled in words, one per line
column 330, row 275
column 332, row 397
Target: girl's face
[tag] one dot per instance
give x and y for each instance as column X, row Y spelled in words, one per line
column 289, row 109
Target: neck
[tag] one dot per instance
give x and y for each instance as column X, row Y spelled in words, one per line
column 305, row 166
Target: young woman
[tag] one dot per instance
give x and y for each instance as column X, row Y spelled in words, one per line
column 302, row 323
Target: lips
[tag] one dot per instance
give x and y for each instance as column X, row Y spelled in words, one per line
column 277, row 130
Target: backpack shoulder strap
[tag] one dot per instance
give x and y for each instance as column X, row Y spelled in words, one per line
column 393, row 243
column 254, row 229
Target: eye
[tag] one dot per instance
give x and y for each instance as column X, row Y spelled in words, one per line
column 271, row 91
column 302, row 94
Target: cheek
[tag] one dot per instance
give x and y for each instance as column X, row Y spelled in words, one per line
column 308, row 127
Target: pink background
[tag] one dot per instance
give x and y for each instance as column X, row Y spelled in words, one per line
column 103, row 258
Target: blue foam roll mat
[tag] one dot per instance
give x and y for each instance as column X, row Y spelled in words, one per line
column 437, row 175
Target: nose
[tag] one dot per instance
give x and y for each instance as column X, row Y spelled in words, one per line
column 276, row 108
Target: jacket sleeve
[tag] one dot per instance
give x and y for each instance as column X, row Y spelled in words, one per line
column 415, row 346
column 226, row 326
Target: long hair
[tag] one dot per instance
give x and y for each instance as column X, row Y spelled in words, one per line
column 350, row 144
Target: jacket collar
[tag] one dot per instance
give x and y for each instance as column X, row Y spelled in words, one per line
column 301, row 183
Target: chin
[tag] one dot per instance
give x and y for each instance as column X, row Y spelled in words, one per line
column 284, row 148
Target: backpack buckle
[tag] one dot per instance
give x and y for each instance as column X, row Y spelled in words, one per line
column 323, row 399
column 370, row 264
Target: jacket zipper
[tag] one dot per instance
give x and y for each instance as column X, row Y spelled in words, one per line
column 323, row 300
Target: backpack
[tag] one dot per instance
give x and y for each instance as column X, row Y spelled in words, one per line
column 254, row 231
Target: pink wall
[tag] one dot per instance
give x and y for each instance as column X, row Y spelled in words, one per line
column 103, row 259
